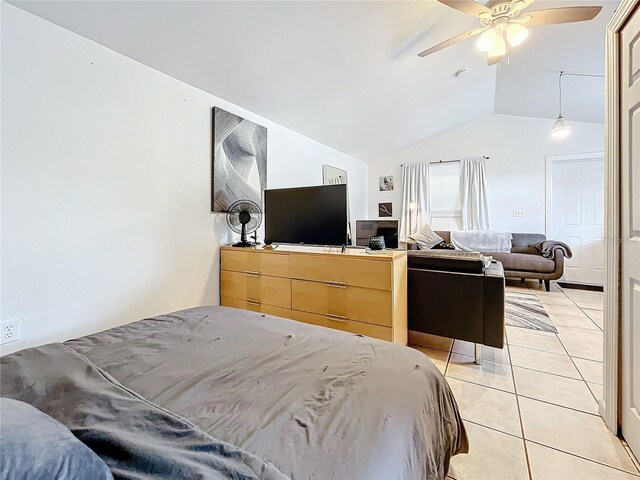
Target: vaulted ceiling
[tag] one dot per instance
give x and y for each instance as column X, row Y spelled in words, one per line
column 347, row 74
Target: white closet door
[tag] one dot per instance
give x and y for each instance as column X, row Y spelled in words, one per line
column 577, row 207
column 630, row 230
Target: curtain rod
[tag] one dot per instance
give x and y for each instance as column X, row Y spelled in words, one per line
column 447, row 161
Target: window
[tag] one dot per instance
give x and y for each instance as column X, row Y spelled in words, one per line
column 444, row 196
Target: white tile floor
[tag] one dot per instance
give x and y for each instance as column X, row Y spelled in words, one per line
column 531, row 408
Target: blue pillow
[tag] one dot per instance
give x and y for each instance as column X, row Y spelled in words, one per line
column 34, row 446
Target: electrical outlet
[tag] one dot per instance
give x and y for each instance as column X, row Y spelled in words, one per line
column 10, row 331
column 519, row 213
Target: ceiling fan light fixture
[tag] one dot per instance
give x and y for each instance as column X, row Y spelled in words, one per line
column 486, row 40
column 499, row 47
column 561, row 129
column 516, row 34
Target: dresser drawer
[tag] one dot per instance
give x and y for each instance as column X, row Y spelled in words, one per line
column 257, row 288
column 367, row 329
column 318, row 268
column 368, row 273
column 359, row 273
column 255, row 261
column 237, row 303
column 343, row 301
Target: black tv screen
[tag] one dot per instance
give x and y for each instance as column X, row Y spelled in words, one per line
column 309, row 215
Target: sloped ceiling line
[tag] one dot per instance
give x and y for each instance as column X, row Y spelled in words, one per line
column 339, row 72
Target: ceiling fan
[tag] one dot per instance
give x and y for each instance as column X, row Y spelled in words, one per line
column 503, row 23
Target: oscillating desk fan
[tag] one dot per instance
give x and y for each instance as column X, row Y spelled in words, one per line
column 244, row 217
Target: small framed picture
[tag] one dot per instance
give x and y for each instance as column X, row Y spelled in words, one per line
column 385, row 209
column 386, row 184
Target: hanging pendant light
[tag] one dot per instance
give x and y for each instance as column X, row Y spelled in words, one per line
column 561, row 129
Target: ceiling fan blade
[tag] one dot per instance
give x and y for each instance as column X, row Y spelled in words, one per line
column 451, row 41
column 467, row 6
column 522, row 19
column 518, row 5
column 562, row 15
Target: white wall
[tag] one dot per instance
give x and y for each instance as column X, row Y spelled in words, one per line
column 517, row 147
column 105, row 184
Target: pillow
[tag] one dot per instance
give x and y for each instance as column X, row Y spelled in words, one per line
column 426, row 238
column 35, row 446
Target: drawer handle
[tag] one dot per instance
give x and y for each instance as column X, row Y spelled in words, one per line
column 337, row 318
column 336, row 284
column 251, row 273
column 253, row 302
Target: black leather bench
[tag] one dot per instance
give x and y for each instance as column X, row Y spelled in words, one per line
column 453, row 294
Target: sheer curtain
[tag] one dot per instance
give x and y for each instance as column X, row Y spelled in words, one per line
column 473, row 194
column 415, row 181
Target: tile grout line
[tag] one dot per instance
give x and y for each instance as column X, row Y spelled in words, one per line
column 567, row 352
column 515, row 389
column 557, row 375
column 587, row 383
column 634, row 460
column 480, row 385
column 527, row 396
column 494, row 429
column 446, row 365
column 560, row 406
column 578, row 370
column 451, row 352
column 584, row 458
column 573, row 362
column 591, row 319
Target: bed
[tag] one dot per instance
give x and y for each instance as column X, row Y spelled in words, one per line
column 281, row 399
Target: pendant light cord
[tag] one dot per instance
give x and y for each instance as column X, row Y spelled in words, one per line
column 560, row 89
column 562, row 72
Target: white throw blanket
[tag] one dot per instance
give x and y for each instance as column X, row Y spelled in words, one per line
column 481, row 241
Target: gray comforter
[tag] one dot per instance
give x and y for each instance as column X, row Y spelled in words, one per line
column 316, row 403
column 137, row 440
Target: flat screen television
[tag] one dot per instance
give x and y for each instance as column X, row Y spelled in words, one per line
column 374, row 228
column 306, row 215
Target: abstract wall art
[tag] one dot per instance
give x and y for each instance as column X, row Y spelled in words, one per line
column 239, row 160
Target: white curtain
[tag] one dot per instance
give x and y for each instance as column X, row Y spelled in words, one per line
column 473, row 194
column 415, row 208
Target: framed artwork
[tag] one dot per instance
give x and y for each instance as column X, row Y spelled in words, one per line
column 385, row 209
column 333, row 175
column 386, row 184
column 337, row 176
column 239, row 160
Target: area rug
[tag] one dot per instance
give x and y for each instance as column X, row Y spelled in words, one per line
column 525, row 310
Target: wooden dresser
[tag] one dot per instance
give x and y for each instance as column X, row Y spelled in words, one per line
column 352, row 291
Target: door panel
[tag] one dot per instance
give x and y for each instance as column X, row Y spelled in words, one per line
column 577, row 216
column 630, row 230
column 634, row 170
column 597, row 251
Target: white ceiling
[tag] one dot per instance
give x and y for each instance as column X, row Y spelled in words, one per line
column 528, row 86
column 347, row 74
